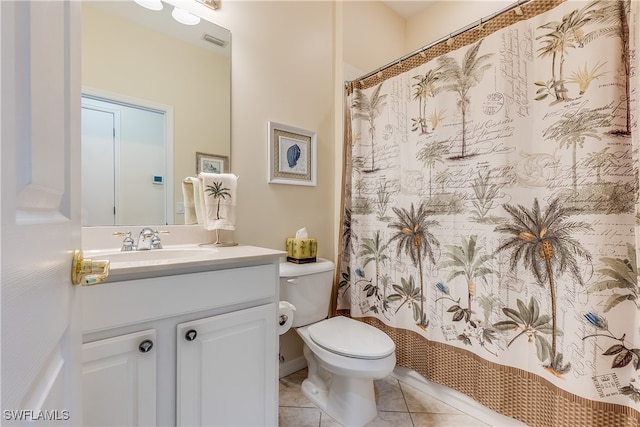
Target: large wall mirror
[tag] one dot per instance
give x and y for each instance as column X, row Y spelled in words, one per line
column 155, row 93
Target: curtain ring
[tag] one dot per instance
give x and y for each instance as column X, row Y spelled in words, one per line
column 518, row 9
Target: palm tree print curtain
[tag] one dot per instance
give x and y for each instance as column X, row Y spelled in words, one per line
column 490, row 218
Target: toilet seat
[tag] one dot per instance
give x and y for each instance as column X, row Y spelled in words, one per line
column 351, row 338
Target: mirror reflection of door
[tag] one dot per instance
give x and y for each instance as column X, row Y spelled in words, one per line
column 123, row 164
column 99, row 146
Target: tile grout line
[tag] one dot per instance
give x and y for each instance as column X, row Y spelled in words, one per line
column 405, row 402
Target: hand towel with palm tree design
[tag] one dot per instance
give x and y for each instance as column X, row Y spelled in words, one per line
column 219, row 196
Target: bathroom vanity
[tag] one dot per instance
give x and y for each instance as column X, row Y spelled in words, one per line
column 183, row 340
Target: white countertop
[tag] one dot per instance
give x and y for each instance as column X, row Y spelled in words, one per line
column 99, row 243
column 180, row 259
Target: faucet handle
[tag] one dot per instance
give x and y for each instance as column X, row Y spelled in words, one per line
column 155, row 240
column 128, row 244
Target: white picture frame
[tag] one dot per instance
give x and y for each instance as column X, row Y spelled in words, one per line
column 292, row 155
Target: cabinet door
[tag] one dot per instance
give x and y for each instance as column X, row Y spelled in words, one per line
column 119, row 380
column 227, row 369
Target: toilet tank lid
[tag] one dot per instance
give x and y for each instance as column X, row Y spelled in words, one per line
column 290, row 269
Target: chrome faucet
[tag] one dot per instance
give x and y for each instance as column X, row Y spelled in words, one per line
column 145, row 239
column 150, row 239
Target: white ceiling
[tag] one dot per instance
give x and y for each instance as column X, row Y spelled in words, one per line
column 408, row 8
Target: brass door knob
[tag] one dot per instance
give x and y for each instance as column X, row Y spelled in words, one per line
column 88, row 272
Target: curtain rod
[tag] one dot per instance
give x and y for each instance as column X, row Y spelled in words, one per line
column 440, row 40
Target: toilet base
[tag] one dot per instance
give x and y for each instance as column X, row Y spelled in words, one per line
column 350, row 401
column 343, row 386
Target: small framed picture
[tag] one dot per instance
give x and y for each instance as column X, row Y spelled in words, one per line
column 211, row 163
column 292, row 155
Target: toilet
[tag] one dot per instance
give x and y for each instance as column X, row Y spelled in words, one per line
column 343, row 355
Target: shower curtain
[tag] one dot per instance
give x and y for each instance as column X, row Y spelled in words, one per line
column 490, row 212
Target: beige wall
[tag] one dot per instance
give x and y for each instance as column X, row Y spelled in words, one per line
column 373, row 35
column 281, row 71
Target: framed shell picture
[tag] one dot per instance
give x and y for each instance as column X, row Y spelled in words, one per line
column 292, row 155
column 211, row 163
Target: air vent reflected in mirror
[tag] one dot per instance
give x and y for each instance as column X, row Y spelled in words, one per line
column 211, row 39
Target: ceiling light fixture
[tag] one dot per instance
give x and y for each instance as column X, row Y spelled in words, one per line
column 184, row 17
column 150, row 4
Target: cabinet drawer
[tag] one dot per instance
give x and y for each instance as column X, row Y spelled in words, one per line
column 117, row 304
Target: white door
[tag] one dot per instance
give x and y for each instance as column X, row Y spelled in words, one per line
column 99, row 147
column 119, row 380
column 40, row 225
column 210, row 389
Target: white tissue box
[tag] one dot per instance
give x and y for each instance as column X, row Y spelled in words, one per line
column 301, row 251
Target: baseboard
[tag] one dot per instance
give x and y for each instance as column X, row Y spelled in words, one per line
column 294, row 365
column 454, row 398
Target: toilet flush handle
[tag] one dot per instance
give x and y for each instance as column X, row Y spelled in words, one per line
column 294, row 280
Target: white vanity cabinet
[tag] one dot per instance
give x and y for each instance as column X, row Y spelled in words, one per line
column 214, row 359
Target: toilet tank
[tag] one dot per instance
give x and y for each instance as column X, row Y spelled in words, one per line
column 308, row 288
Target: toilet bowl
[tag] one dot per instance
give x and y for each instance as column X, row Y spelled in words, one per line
column 344, row 356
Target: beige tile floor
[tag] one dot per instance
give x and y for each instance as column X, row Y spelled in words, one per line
column 398, row 405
